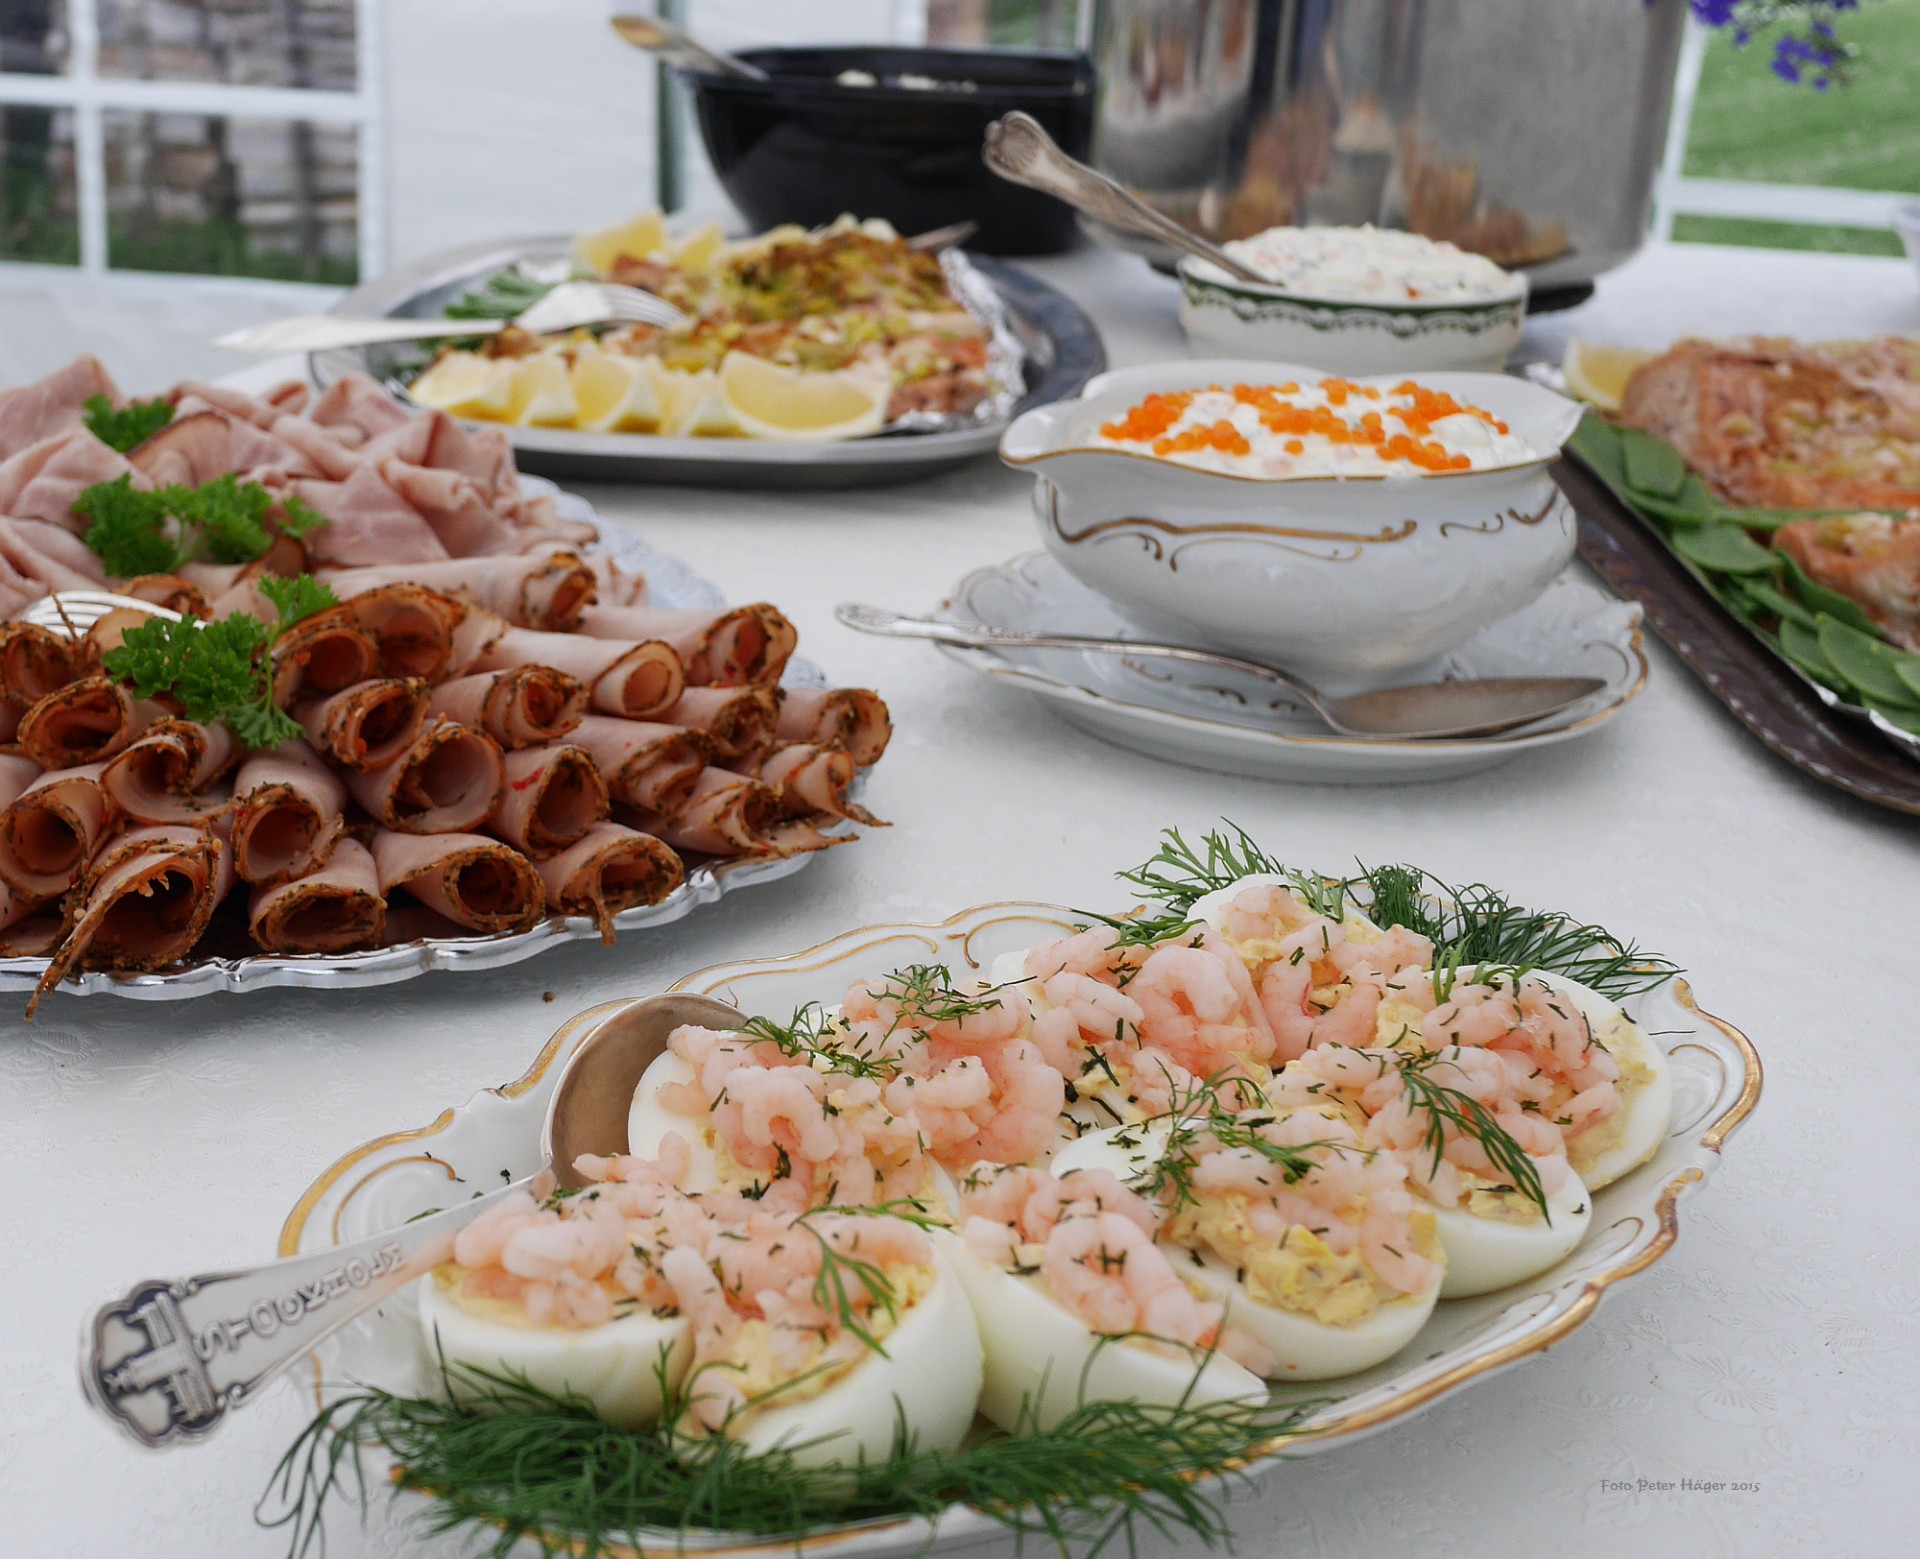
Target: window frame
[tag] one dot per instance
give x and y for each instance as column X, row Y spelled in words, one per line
column 89, row 96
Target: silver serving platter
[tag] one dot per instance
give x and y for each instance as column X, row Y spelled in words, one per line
column 1060, row 344
column 671, row 583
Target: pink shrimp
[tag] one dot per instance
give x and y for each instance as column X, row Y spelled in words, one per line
column 1082, row 1193
column 1029, row 1096
column 1094, row 953
column 1265, row 912
column 1198, row 1005
column 1111, row 1274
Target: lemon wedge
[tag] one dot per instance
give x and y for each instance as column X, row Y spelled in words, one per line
column 542, row 393
column 465, row 384
column 645, row 235
column 615, row 394
column 771, row 401
column 691, row 404
column 1598, row 374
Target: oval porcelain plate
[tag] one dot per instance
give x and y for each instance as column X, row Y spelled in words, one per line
column 497, row 1133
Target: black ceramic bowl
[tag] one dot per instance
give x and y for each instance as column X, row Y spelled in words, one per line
column 803, row 148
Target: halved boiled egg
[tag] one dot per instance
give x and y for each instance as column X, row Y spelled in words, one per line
column 924, row 1381
column 1486, row 1252
column 649, row 1121
column 1043, row 1361
column 618, row 1366
column 1211, row 908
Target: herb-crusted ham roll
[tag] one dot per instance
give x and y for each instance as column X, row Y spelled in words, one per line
column 16, row 774
column 524, row 706
column 16, row 907
column 812, row 781
column 546, row 589
column 51, row 830
column 84, row 722
column 412, row 628
column 320, row 654
column 450, row 779
column 739, row 721
column 745, row 644
column 142, row 903
column 729, row 814
column 645, row 764
column 287, row 814
column 367, row 725
column 856, row 718
column 637, row 680
column 168, row 774
column 473, row 881
column 329, row 910
column 34, row 662
column 171, row 591
column 612, row 868
column 552, row 797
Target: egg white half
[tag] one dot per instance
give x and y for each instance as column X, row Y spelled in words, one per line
column 1043, row 1361
column 1211, row 908
column 928, row 1379
column 648, row 1121
column 1484, row 1254
column 615, row 1367
column 1303, row 1348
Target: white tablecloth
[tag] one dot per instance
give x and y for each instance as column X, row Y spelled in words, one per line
column 1777, row 1344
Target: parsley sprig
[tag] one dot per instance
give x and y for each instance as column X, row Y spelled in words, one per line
column 127, row 427
column 159, row 531
column 224, row 670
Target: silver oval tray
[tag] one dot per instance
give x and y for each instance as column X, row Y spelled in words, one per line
column 1061, row 346
column 671, row 583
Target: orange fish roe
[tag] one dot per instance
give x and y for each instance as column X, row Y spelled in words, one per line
column 1223, row 436
column 1152, row 417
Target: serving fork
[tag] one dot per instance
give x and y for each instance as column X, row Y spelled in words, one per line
column 74, row 612
column 567, row 307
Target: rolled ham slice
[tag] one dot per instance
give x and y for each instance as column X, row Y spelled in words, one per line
column 612, row 868
column 168, row 775
column 411, row 626
column 329, row 910
column 473, row 638
column 740, row 721
column 474, row 881
column 637, row 680
column 645, row 765
column 731, row 815
column 614, row 585
column 52, row 828
column 450, row 779
column 367, row 725
column 552, row 797
column 812, row 781
column 16, row 774
column 34, row 662
column 287, row 814
column 16, row 907
column 84, row 722
column 526, row 706
column 747, row 644
column 321, row 654
column 143, row 902
column 168, row 590
column 854, row 717
column 546, row 589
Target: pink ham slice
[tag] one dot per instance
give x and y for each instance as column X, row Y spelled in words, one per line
column 747, row 644
column 459, row 514
column 191, row 395
column 143, row 902
column 813, row 781
column 366, row 725
column 321, row 654
column 286, row 816
column 740, row 721
column 473, row 881
column 86, row 721
column 368, row 523
column 334, row 908
column 610, row 869
column 525, row 707
column 731, row 815
column 635, row 680
column 37, row 559
column 356, row 409
column 473, row 638
column 644, row 764
column 52, row 828
column 16, row 774
column 51, row 405
column 168, row 775
column 411, row 626
column 450, row 779
column 552, row 797
column 41, row 481
column 172, row 591
column 34, row 662
column 205, row 444
column 856, row 718
column 547, row 589
column 614, row 585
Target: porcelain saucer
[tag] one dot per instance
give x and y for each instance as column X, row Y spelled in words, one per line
column 1213, row 720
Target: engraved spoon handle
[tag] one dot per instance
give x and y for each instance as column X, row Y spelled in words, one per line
column 1018, row 149
column 169, row 1359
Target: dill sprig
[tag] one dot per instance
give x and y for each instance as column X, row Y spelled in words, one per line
column 812, row 1035
column 1447, row 1108
column 925, row 993
column 517, row 1464
column 1170, row 1180
column 843, row 1278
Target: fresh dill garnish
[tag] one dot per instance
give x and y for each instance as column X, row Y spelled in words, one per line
column 158, row 531
column 811, row 1035
column 1170, row 1179
column 1138, row 929
column 1447, row 1107
column 925, row 994
column 128, row 426
column 509, row 1463
column 841, row 1274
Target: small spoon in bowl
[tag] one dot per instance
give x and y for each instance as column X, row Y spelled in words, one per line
column 168, row 1360
column 680, row 48
column 1421, row 711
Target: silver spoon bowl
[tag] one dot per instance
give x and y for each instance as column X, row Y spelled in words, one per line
column 1429, row 711
column 169, row 1359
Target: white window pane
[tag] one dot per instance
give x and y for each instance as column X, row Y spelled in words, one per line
column 37, row 207
column 253, row 43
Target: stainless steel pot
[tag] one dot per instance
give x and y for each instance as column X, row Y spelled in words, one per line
column 1529, row 130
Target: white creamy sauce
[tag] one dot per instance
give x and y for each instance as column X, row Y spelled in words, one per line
column 1370, row 265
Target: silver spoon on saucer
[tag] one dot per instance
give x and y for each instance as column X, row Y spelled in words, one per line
column 169, row 1359
column 1429, row 711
